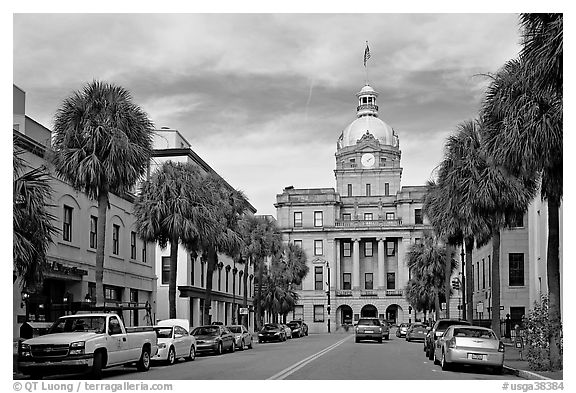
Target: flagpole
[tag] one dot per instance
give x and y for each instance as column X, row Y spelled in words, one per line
column 366, row 57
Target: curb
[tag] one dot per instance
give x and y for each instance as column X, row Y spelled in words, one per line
column 525, row 374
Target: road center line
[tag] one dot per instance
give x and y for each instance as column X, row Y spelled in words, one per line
column 297, row 366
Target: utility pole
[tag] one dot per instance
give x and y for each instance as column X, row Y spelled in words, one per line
column 328, row 293
column 463, row 284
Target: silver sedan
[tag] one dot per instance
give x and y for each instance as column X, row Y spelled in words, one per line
column 242, row 336
column 473, row 345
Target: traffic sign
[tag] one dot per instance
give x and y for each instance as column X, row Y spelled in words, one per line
column 243, row 311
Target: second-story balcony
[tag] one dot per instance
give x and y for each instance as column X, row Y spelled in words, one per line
column 368, row 223
column 368, row 293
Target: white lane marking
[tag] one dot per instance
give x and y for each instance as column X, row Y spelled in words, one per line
column 297, row 366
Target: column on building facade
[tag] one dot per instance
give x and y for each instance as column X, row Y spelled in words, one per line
column 229, row 312
column 196, row 317
column 381, row 272
column 337, row 263
column 403, row 245
column 214, row 313
column 356, row 264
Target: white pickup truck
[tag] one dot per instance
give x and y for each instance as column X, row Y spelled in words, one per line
column 87, row 342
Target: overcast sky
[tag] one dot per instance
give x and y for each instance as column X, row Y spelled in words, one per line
column 262, row 98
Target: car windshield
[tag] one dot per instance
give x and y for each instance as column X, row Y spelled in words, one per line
column 271, row 327
column 443, row 325
column 235, row 329
column 163, row 332
column 369, row 322
column 474, row 333
column 84, row 323
column 206, row 331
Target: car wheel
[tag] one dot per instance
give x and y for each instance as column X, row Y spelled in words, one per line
column 171, row 359
column 387, row 337
column 431, row 354
column 144, row 362
column 97, row 366
column 242, row 345
column 233, row 347
column 192, row 354
column 357, row 340
column 219, row 350
column 444, row 363
column 435, row 360
column 380, row 340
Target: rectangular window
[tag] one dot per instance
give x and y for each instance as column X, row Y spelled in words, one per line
column 478, row 275
column 368, row 216
column 319, row 313
column 347, row 247
column 368, row 281
column 143, row 251
column 391, row 281
column 368, row 249
column 133, row 245
column 390, row 249
column 115, row 239
column 202, row 274
column 346, row 216
column 483, row 274
column 318, row 278
column 165, row 270
column 347, row 281
column 298, row 243
column 297, row 219
column 516, row 269
column 418, row 217
column 389, row 216
column 318, row 247
column 67, row 224
column 368, row 190
column 112, row 293
column 318, row 219
column 349, row 190
column 298, row 312
column 93, row 231
column 386, row 189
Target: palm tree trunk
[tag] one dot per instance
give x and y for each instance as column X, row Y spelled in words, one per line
column 437, row 302
column 553, row 272
column 100, row 245
column 245, row 304
column 212, row 260
column 495, row 282
column 259, row 292
column 447, row 274
column 469, row 280
column 173, row 276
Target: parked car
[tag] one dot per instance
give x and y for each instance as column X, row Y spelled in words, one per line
column 87, row 342
column 271, row 332
column 242, row 336
column 473, row 345
column 287, row 329
column 402, row 329
column 436, row 332
column 385, row 329
column 417, row 331
column 369, row 329
column 299, row 327
column 174, row 341
column 214, row 338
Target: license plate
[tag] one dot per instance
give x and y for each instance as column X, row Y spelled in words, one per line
column 476, row 356
column 368, row 331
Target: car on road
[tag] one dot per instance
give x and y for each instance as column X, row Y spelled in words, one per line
column 472, row 345
column 213, row 338
column 271, row 332
column 299, row 328
column 242, row 336
column 369, row 329
column 402, row 329
column 417, row 331
column 287, row 329
column 174, row 341
column 436, row 332
column 385, row 329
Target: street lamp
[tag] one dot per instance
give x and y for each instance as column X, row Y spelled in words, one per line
column 328, row 293
column 25, row 297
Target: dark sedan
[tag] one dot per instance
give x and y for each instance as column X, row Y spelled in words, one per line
column 436, row 332
column 214, row 338
column 299, row 328
column 271, row 332
column 417, row 331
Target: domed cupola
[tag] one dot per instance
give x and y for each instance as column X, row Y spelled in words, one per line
column 367, row 122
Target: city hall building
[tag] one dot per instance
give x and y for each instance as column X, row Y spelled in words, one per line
column 356, row 236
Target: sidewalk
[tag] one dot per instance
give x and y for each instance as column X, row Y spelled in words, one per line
column 515, row 363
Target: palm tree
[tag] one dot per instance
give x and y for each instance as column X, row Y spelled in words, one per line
column 32, row 221
column 102, row 144
column 290, row 268
column 524, row 133
column 172, row 208
column 419, row 295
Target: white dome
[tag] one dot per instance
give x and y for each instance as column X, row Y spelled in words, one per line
column 376, row 127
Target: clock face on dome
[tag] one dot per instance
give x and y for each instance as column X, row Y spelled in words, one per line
column 368, row 160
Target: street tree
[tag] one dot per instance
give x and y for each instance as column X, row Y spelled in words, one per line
column 172, row 208
column 420, row 296
column 102, row 144
column 33, row 224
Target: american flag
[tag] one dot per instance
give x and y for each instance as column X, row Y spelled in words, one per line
column 366, row 54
